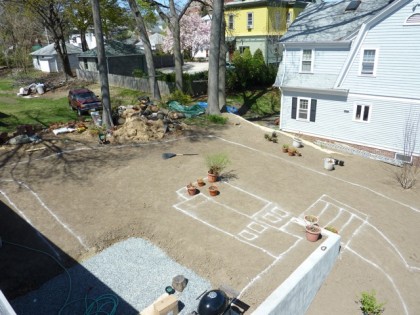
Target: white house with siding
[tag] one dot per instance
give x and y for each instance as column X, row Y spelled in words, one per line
column 46, row 58
column 351, row 73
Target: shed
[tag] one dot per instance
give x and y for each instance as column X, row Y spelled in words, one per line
column 46, row 58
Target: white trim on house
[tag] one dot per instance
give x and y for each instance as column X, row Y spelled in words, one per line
column 386, row 98
column 312, row 45
column 337, row 92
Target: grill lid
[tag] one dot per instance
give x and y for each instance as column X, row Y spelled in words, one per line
column 213, row 302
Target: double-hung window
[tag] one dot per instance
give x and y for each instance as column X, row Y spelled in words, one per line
column 307, row 60
column 230, row 22
column 368, row 62
column 304, row 109
column 362, row 112
column 250, row 20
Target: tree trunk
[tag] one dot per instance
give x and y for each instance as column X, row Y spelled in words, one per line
column 177, row 47
column 213, row 86
column 222, row 65
column 85, row 46
column 103, row 69
column 153, row 84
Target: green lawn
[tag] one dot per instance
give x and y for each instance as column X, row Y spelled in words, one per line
column 16, row 110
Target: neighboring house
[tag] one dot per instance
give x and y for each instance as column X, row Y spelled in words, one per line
column 46, row 58
column 350, row 73
column 121, row 59
column 203, row 52
column 259, row 24
column 156, row 41
column 75, row 39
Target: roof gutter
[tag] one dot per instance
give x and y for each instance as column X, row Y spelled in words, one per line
column 335, row 92
column 332, row 44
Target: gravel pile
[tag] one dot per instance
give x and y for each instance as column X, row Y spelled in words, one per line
column 134, row 272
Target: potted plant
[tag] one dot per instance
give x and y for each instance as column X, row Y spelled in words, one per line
column 213, row 190
column 331, row 229
column 192, row 190
column 216, row 163
column 310, row 219
column 312, row 229
column 369, row 305
column 312, row 232
column 200, row 182
column 291, row 151
column 285, row 148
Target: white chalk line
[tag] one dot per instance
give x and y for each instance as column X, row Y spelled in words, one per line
column 22, row 214
column 237, row 144
column 386, row 275
column 65, row 226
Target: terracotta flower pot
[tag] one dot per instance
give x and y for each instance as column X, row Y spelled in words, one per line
column 312, row 233
column 200, row 182
column 212, row 177
column 213, row 190
column 192, row 190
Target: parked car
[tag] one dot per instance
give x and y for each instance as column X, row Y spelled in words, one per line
column 83, row 100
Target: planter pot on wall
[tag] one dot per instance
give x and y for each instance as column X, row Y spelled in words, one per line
column 312, row 233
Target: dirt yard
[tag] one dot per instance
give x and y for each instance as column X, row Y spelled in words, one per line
column 83, row 197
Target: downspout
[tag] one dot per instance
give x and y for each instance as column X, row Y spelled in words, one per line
column 281, row 83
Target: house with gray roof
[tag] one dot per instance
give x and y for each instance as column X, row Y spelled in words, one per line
column 121, row 59
column 46, row 58
column 350, row 74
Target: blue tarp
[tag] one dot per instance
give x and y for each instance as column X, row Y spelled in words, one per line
column 188, row 111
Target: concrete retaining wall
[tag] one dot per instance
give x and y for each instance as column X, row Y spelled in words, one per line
column 296, row 293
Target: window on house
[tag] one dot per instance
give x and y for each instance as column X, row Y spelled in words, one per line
column 86, row 63
column 288, row 19
column 307, row 55
column 362, row 112
column 250, row 20
column 368, row 61
column 230, row 22
column 413, row 19
column 242, row 49
column 277, row 21
column 304, row 109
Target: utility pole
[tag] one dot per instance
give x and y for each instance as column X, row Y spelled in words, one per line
column 102, row 66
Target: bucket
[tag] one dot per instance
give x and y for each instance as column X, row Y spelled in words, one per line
column 40, row 88
column 329, row 164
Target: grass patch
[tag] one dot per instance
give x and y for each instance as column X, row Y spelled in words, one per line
column 207, row 120
column 258, row 103
column 6, row 85
column 16, row 110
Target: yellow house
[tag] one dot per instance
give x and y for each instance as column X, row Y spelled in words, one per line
column 259, row 24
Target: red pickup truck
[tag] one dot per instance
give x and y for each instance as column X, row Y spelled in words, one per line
column 83, row 100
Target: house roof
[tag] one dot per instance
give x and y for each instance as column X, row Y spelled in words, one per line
column 155, row 39
column 49, row 50
column 114, row 48
column 265, row 3
column 330, row 21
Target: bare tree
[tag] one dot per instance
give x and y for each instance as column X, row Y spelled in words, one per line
column 19, row 32
column 151, row 72
column 214, row 56
column 407, row 174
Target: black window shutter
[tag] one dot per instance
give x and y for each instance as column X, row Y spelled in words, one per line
column 294, row 107
column 313, row 110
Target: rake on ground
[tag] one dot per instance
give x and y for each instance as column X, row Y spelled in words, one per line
column 171, row 155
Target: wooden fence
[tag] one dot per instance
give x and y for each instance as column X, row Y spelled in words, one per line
column 138, row 84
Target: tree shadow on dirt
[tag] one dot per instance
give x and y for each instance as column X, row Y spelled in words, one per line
column 249, row 100
column 31, row 259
